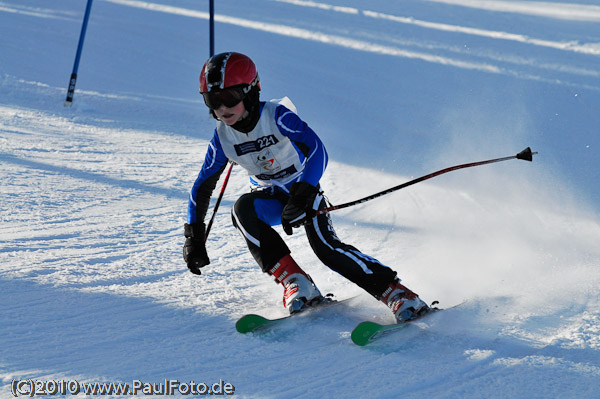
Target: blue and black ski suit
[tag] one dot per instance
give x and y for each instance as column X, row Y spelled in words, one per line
column 280, row 150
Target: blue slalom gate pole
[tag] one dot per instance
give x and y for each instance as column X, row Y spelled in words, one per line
column 73, row 80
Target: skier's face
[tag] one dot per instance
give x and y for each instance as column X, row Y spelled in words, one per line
column 230, row 116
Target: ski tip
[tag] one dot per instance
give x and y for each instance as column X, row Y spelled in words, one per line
column 250, row 323
column 364, row 332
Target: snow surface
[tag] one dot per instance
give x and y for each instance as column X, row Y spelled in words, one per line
column 94, row 197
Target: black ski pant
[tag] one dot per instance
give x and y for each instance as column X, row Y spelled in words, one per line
column 253, row 215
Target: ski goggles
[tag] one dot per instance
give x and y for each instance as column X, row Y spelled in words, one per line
column 229, row 97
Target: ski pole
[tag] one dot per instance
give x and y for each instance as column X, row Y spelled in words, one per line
column 525, row 155
column 212, row 218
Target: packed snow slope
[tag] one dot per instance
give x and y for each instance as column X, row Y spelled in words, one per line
column 94, row 197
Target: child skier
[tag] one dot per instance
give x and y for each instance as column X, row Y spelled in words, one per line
column 285, row 160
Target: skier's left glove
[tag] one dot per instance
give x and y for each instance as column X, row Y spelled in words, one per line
column 299, row 207
column 194, row 249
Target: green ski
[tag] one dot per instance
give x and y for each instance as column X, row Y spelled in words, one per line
column 368, row 331
column 254, row 322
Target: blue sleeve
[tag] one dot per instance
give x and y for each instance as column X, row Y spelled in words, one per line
column 214, row 164
column 309, row 146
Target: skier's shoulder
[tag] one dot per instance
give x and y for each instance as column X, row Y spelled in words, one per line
column 285, row 103
column 279, row 107
column 215, row 141
column 284, row 114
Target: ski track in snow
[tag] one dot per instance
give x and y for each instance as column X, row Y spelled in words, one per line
column 568, row 46
column 465, row 61
column 567, row 11
column 92, row 284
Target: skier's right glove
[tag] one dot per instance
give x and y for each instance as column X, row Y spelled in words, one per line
column 298, row 209
column 194, row 249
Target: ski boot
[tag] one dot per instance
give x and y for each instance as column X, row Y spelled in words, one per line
column 405, row 304
column 299, row 291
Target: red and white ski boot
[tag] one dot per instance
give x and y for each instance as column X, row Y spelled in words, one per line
column 299, row 291
column 405, row 304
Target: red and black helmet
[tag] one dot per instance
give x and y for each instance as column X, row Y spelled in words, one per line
column 226, row 70
column 228, row 79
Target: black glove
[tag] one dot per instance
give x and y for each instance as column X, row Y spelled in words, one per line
column 194, row 249
column 299, row 207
